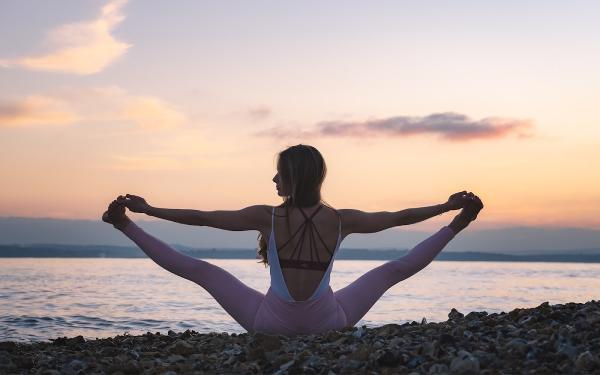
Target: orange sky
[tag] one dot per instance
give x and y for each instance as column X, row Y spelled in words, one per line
column 405, row 112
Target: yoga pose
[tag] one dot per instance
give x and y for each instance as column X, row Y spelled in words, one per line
column 299, row 240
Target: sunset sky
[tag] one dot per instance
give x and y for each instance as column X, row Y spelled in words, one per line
column 187, row 104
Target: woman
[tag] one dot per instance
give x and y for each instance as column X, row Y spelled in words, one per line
column 299, row 240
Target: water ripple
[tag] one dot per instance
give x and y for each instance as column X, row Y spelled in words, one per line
column 96, row 298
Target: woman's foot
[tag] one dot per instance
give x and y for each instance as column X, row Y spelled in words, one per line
column 115, row 215
column 466, row 215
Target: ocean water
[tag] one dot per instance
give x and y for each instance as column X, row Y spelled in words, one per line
column 43, row 298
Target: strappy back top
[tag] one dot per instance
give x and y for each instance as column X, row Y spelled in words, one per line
column 307, row 231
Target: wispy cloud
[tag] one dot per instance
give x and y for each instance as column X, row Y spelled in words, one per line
column 151, row 113
column 110, row 104
column 259, row 112
column 449, row 126
column 36, row 110
column 79, row 48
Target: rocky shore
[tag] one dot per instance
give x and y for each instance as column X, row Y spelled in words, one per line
column 548, row 339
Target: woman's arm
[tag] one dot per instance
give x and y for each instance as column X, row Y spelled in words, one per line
column 250, row 218
column 256, row 217
column 356, row 221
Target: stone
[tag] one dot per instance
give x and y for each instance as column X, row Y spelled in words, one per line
column 361, row 354
column 518, row 345
column 268, row 342
column 438, row 368
column 352, row 364
column 181, row 347
column 532, row 353
column 593, row 318
column 527, row 319
column 582, row 325
column 360, row 331
column 109, row 351
column 175, row 358
column 282, row 359
column 256, row 354
column 464, row 363
column 76, row 365
column 446, row 339
column 315, row 361
column 587, row 361
column 567, row 349
column 389, row 330
column 455, row 314
column 332, row 335
column 415, row 361
column 146, row 363
column 131, row 367
column 389, row 358
column 24, row 361
column 532, row 332
column 485, row 358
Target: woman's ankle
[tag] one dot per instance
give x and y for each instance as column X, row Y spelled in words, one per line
column 458, row 224
column 122, row 224
column 455, row 228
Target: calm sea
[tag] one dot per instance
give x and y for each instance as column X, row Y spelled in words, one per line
column 43, row 298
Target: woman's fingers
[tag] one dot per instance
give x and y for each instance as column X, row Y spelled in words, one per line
column 458, row 195
column 466, row 196
column 114, row 205
column 128, row 197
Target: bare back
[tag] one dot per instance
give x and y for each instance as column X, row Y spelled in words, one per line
column 306, row 248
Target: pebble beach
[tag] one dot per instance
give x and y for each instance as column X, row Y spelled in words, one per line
column 547, row 339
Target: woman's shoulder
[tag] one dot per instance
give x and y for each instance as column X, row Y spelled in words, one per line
column 283, row 210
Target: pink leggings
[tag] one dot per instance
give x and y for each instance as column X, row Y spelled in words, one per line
column 267, row 313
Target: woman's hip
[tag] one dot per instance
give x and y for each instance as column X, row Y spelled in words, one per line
column 277, row 316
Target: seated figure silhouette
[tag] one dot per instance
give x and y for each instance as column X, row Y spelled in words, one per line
column 299, row 240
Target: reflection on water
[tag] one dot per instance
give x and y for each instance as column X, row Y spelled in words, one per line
column 42, row 298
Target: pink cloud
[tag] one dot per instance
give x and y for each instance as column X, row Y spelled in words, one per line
column 448, row 126
column 79, row 48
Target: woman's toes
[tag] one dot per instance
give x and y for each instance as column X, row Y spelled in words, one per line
column 115, row 215
column 479, row 202
column 463, row 215
column 472, row 209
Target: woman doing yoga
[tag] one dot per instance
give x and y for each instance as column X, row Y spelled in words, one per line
column 299, row 240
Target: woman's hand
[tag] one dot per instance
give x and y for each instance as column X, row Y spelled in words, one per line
column 459, row 200
column 134, row 203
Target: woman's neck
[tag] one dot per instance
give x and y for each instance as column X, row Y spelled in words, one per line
column 314, row 205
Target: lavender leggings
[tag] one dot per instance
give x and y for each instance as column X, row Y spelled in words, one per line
column 267, row 313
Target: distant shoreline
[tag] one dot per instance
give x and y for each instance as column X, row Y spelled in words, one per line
column 99, row 251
